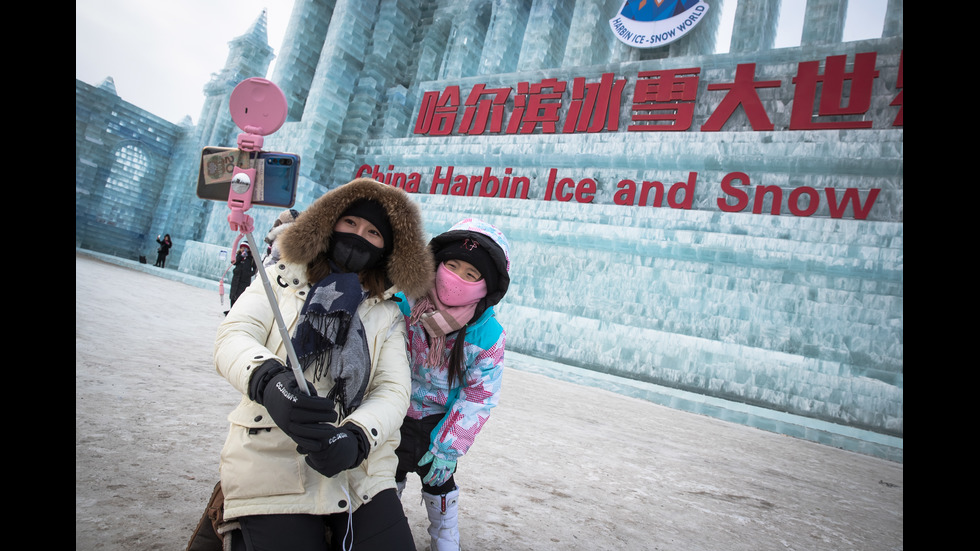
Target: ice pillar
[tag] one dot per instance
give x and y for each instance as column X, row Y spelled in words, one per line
column 341, row 62
column 545, row 36
column 755, row 25
column 823, row 22
column 299, row 55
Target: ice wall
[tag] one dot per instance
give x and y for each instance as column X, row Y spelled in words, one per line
column 122, row 155
column 798, row 315
column 802, row 314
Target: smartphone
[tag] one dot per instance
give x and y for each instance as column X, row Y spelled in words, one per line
column 276, row 175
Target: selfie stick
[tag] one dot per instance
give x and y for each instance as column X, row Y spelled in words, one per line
column 267, row 104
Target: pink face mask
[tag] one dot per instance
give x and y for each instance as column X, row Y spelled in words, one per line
column 456, row 291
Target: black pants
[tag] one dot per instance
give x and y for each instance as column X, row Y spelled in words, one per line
column 379, row 525
column 416, row 438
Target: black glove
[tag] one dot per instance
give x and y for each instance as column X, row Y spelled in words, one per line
column 304, row 418
column 345, row 449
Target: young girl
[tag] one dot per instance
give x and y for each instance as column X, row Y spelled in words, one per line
column 316, row 472
column 456, row 349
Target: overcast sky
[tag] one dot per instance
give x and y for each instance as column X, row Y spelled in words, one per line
column 161, row 53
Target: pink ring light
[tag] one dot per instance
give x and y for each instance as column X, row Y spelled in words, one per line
column 258, row 107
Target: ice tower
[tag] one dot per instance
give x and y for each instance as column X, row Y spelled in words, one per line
column 725, row 225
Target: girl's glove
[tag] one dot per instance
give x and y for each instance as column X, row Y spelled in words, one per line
column 440, row 471
column 345, row 449
column 304, row 418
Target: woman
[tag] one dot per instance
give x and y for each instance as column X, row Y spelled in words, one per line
column 241, row 276
column 317, row 472
column 163, row 251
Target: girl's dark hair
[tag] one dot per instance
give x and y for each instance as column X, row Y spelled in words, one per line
column 456, row 363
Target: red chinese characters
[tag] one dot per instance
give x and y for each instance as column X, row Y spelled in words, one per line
column 832, row 96
column 484, row 107
column 437, row 114
column 595, row 106
column 825, row 96
column 665, row 96
column 536, row 104
column 743, row 92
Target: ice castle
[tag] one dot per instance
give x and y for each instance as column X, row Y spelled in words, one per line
column 725, row 225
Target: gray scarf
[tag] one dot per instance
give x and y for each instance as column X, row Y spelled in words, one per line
column 330, row 338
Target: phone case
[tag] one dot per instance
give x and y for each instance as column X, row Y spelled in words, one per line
column 276, row 175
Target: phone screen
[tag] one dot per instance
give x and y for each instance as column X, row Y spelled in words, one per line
column 276, row 175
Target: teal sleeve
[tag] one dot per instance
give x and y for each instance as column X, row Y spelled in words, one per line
column 403, row 304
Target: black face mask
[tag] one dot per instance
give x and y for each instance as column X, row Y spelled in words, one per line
column 353, row 253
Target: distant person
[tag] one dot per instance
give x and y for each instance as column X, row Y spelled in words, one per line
column 303, row 472
column 241, row 275
column 285, row 218
column 163, row 250
column 456, row 350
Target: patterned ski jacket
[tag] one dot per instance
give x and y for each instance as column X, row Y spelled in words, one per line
column 465, row 408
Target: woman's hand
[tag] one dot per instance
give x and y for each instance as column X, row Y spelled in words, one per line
column 345, row 449
column 305, row 418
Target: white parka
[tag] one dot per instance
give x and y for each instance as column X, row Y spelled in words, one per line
column 261, row 471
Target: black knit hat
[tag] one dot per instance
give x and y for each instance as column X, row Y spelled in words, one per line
column 470, row 250
column 373, row 212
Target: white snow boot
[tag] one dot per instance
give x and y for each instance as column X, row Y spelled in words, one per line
column 442, row 512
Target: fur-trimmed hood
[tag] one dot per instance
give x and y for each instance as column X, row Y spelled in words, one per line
column 409, row 267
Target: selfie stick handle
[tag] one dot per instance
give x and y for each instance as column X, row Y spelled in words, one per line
column 268, row 97
column 280, row 323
